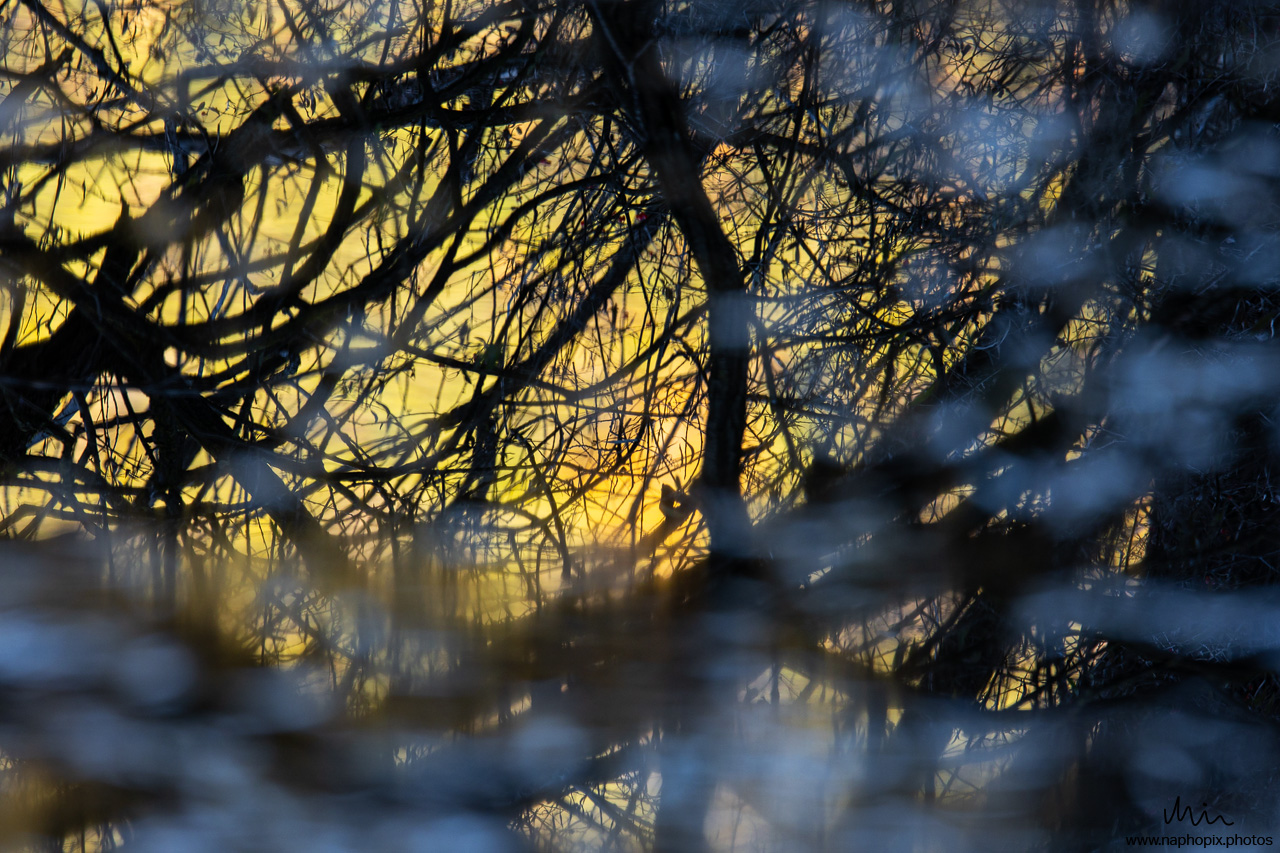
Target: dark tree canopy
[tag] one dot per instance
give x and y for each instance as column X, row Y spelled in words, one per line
column 625, row 424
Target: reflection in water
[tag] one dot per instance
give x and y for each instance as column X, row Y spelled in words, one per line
column 161, row 737
column 771, row 425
